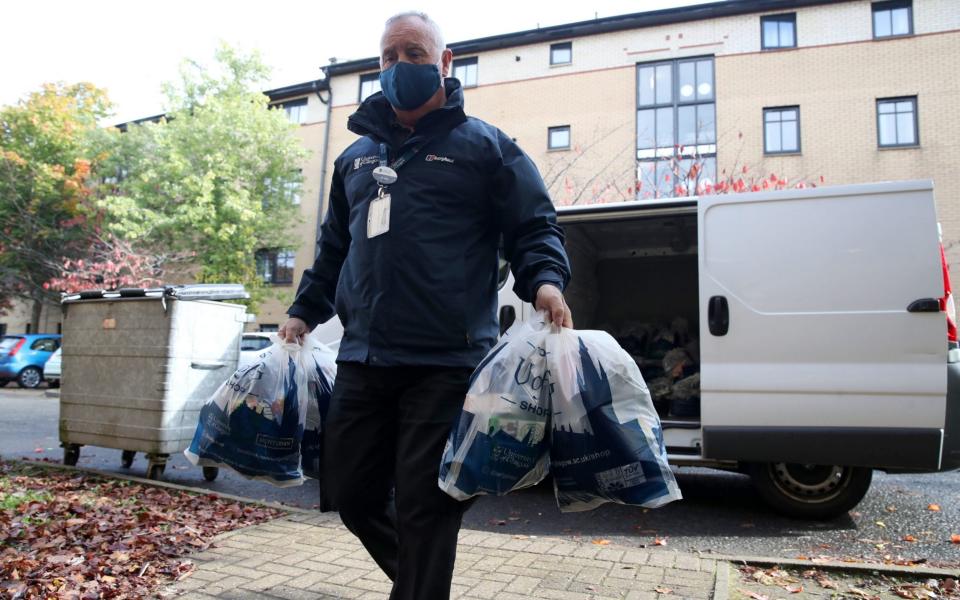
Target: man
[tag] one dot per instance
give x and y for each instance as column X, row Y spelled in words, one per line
column 408, row 260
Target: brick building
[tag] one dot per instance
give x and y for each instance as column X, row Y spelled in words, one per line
column 850, row 91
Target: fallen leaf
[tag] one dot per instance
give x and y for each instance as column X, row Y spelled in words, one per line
column 933, row 507
column 880, row 524
column 600, row 542
column 754, row 595
column 909, row 538
column 659, row 541
column 793, row 589
column 663, row 590
column 955, row 538
column 827, row 583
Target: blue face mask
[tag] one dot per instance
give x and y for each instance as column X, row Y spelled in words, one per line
column 408, row 86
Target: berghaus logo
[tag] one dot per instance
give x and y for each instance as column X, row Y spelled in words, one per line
column 438, row 158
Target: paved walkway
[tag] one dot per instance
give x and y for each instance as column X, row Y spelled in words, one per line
column 313, row 556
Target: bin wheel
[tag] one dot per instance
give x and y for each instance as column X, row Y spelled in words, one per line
column 155, row 471
column 210, row 473
column 126, row 459
column 71, row 454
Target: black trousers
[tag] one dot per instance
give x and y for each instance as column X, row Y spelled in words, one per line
column 385, row 434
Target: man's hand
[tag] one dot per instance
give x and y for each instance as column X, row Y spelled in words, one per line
column 550, row 299
column 293, row 330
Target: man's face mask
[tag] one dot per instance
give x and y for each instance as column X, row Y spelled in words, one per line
column 408, row 86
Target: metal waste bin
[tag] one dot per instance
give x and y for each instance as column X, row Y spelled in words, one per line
column 138, row 364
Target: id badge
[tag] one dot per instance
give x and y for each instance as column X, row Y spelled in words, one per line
column 378, row 216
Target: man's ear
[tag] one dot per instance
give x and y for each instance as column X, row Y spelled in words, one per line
column 446, row 59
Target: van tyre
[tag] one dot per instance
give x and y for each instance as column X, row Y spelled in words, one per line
column 30, row 378
column 810, row 491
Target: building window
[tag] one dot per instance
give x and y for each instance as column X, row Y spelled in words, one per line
column 892, row 18
column 3, row 329
column 296, row 110
column 779, row 31
column 558, row 138
column 275, row 266
column 288, row 190
column 897, row 122
column 781, row 130
column 561, row 54
column 369, row 85
column 269, row 328
column 465, row 69
column 676, row 126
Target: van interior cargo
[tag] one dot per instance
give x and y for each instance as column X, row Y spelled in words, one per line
column 637, row 279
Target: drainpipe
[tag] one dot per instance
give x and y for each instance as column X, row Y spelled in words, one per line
column 323, row 155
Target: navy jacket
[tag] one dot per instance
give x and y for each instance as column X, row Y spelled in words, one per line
column 425, row 292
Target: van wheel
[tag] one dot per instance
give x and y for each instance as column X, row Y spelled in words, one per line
column 810, row 491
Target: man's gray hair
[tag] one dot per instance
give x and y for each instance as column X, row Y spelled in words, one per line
column 435, row 32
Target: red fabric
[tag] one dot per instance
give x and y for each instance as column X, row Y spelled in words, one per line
column 947, row 302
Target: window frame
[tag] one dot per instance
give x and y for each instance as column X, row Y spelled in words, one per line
column 768, row 152
column 364, row 78
column 273, row 257
column 703, row 152
column 466, row 62
column 916, row 121
column 778, row 18
column 561, row 46
column 300, row 103
column 890, row 5
column 556, row 128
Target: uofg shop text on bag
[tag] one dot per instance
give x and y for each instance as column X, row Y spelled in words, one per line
column 572, row 403
column 268, row 416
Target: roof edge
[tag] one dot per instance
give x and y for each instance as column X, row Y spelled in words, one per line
column 680, row 14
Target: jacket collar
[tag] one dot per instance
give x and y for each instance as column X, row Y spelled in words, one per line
column 375, row 117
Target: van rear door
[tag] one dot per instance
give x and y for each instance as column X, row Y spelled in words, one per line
column 820, row 342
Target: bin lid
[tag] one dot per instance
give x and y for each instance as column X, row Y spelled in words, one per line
column 193, row 291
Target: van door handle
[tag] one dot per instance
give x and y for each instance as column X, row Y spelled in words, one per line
column 207, row 366
column 924, row 305
column 718, row 315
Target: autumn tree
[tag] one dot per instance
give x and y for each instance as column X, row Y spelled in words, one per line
column 212, row 178
column 46, row 162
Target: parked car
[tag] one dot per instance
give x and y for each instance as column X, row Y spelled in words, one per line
column 22, row 357
column 51, row 370
column 251, row 345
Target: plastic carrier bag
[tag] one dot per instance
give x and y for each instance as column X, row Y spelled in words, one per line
column 254, row 422
column 321, row 374
column 574, row 395
column 607, row 442
column 500, row 442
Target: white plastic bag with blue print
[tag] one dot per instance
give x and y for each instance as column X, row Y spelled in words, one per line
column 500, row 442
column 607, row 442
column 321, row 373
column 254, row 422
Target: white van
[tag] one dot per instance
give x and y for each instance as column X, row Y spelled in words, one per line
column 823, row 350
